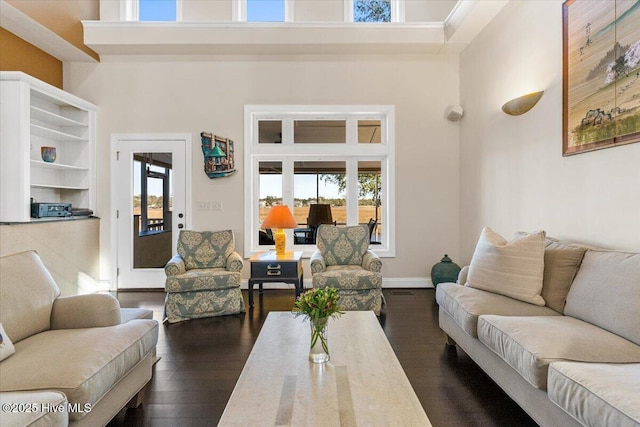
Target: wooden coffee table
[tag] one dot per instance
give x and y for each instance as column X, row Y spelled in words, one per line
column 363, row 383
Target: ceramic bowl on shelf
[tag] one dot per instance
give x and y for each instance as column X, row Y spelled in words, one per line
column 48, row 154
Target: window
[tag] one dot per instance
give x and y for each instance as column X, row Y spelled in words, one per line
column 150, row 10
column 262, row 10
column 329, row 164
column 374, row 10
column 265, row 10
column 157, row 10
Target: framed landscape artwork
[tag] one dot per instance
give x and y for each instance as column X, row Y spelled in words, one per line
column 601, row 76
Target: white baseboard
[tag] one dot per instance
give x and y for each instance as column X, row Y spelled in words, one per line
column 387, row 283
column 406, row 282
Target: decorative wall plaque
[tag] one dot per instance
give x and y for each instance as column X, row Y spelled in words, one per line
column 219, row 156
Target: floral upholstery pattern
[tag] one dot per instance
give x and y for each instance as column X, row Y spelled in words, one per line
column 343, row 245
column 343, row 261
column 203, row 280
column 205, row 249
column 181, row 306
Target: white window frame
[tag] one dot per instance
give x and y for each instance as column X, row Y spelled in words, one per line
column 239, row 10
column 397, row 11
column 287, row 152
column 130, row 10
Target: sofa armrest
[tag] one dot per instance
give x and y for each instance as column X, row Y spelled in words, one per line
column 234, row 262
column 175, row 266
column 85, row 311
column 462, row 276
column 371, row 262
column 318, row 265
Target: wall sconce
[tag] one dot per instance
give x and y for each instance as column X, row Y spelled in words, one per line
column 522, row 104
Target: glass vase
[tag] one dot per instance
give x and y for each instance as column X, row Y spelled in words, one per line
column 319, row 351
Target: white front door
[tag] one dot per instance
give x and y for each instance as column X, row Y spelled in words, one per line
column 149, row 191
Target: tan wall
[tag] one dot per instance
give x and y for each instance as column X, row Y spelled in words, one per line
column 69, row 250
column 513, row 176
column 62, row 17
column 318, row 11
column 206, row 10
column 163, row 94
column 18, row 55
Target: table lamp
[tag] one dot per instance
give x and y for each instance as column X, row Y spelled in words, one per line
column 279, row 217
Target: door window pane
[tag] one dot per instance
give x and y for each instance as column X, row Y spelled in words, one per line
column 152, row 209
column 265, row 10
column 319, row 132
column 372, row 11
column 369, row 198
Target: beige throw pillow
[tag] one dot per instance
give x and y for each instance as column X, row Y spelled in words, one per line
column 6, row 346
column 561, row 263
column 514, row 269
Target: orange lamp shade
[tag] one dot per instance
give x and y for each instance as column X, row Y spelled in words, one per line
column 280, row 217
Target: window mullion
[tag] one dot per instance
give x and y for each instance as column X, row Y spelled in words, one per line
column 287, row 131
column 287, row 191
column 352, row 191
column 352, row 131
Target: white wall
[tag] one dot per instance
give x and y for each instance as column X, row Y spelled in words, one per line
column 192, row 94
column 513, row 175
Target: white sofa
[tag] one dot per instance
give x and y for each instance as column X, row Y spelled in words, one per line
column 569, row 364
column 75, row 361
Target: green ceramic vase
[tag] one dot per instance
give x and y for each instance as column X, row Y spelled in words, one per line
column 444, row 271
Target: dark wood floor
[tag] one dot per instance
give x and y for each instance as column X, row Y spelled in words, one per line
column 202, row 359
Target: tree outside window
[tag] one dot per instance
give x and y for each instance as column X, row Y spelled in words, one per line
column 372, row 11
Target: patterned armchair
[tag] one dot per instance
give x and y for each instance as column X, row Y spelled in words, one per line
column 343, row 261
column 203, row 280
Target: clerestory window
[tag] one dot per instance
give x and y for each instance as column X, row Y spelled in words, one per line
column 150, row 10
column 329, row 164
column 262, row 10
column 374, row 10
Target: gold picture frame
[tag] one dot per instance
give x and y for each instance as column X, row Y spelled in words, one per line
column 601, row 74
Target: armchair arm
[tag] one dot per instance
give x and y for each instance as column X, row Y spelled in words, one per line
column 234, row 262
column 317, row 262
column 462, row 276
column 371, row 261
column 175, row 266
column 85, row 311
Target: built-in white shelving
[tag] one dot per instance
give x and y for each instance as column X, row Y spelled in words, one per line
column 35, row 114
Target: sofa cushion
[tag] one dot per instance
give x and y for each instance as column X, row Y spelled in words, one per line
column 514, row 269
column 36, row 401
column 561, row 263
column 465, row 305
column 606, row 292
column 83, row 363
column 205, row 249
column 6, row 346
column 24, row 274
column 597, row 394
column 203, row 279
column 529, row 344
column 343, row 245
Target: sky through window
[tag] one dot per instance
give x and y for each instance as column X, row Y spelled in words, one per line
column 157, row 10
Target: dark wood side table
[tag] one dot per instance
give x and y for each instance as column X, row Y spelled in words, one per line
column 268, row 267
